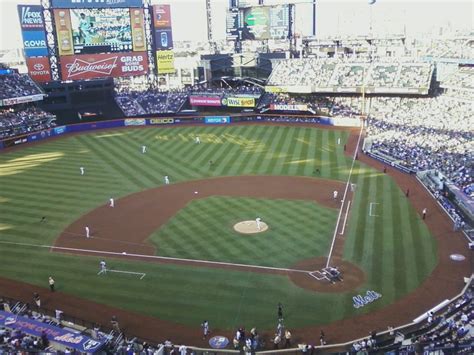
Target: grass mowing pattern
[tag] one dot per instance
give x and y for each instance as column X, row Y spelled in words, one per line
column 204, row 230
column 44, row 180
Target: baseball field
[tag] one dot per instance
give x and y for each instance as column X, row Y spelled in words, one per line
column 174, row 256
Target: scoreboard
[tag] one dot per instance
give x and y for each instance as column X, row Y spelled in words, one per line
column 258, row 22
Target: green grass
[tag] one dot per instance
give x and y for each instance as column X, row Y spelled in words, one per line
column 204, row 230
column 395, row 249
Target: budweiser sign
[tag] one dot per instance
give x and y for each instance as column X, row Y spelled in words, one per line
column 103, row 65
column 79, row 66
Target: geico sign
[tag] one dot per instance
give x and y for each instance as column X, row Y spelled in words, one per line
column 35, row 43
column 132, row 63
column 161, row 120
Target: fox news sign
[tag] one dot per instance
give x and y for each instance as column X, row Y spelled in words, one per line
column 30, row 17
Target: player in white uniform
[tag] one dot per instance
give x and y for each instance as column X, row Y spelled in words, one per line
column 167, row 180
column 197, row 140
column 334, row 194
column 102, row 267
column 111, row 202
column 82, row 170
column 87, row 232
column 258, row 220
column 143, row 149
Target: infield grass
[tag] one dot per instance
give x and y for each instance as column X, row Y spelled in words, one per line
column 395, row 249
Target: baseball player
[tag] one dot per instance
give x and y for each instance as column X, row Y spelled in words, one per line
column 205, row 329
column 197, row 140
column 143, row 149
column 334, row 194
column 338, row 141
column 424, row 213
column 51, row 283
column 87, row 232
column 258, row 220
column 102, row 267
column 111, row 202
column 82, row 170
column 167, row 180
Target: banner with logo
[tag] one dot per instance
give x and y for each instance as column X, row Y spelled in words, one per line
column 34, row 43
column 62, row 20
column 204, row 101
column 165, row 62
column 89, row 66
column 163, row 39
column 138, row 30
column 87, row 4
column 162, row 16
column 239, row 102
column 161, row 120
column 134, row 122
column 216, row 119
column 285, row 107
column 31, row 17
column 62, row 336
column 39, row 69
column 22, row 99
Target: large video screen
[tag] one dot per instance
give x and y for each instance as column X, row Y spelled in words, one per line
column 101, row 30
column 258, row 23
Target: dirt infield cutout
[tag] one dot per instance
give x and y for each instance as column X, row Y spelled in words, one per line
column 250, row 227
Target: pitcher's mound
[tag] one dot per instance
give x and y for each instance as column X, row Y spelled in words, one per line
column 250, row 227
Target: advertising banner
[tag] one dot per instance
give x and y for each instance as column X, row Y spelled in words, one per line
column 161, row 120
column 22, row 99
column 31, row 17
column 165, row 62
column 62, row 336
column 163, row 39
column 138, row 30
column 216, row 119
column 88, row 66
column 161, row 16
column 204, row 101
column 39, row 69
column 275, row 89
column 34, row 43
column 135, row 122
column 87, row 4
column 62, row 20
column 285, row 107
column 239, row 102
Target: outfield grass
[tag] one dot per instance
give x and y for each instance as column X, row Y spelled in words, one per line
column 395, row 249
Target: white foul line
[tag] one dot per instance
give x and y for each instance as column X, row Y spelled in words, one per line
column 344, row 197
column 345, row 218
column 156, row 257
column 129, row 272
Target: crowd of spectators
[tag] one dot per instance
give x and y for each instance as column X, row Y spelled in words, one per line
column 424, row 134
column 149, row 101
column 15, row 121
column 17, row 85
column 449, row 48
column 351, row 72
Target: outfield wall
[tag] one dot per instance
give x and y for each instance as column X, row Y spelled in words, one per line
column 160, row 121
